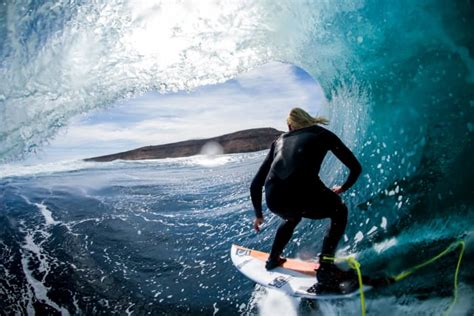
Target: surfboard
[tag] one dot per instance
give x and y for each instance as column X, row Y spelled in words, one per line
column 294, row 277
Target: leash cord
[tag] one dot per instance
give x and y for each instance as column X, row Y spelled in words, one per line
column 354, row 264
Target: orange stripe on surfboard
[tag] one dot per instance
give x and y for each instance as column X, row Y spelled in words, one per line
column 305, row 267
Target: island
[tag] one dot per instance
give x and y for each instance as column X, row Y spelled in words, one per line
column 249, row 140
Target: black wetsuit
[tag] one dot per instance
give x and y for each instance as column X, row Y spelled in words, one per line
column 293, row 189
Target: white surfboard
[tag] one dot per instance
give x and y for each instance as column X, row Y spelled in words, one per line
column 294, row 277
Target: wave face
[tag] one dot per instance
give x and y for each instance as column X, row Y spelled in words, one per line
column 398, row 75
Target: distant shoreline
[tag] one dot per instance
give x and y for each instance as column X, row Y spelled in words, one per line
column 249, row 140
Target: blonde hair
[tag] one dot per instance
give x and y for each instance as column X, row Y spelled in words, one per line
column 299, row 118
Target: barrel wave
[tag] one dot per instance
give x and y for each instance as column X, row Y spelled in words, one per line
column 153, row 237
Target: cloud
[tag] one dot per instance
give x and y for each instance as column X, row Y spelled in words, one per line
column 259, row 98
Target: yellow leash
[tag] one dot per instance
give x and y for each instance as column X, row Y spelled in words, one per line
column 456, row 274
column 354, row 264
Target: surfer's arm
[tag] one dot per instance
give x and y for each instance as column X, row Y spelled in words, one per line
column 258, row 182
column 346, row 156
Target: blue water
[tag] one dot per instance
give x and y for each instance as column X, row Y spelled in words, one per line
column 147, row 236
column 78, row 238
column 154, row 236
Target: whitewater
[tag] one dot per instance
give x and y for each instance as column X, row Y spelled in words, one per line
column 153, row 236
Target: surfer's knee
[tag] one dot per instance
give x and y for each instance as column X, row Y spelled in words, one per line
column 291, row 222
column 287, row 226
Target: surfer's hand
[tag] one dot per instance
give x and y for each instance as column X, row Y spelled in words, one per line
column 257, row 222
column 337, row 189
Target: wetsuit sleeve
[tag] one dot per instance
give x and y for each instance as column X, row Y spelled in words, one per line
column 346, row 156
column 258, row 182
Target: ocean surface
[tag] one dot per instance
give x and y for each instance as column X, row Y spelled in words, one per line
column 153, row 236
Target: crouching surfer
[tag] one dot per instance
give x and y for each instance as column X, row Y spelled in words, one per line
column 293, row 190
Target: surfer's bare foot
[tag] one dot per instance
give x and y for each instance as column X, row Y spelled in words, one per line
column 273, row 263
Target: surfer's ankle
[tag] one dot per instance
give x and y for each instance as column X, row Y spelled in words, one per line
column 326, row 259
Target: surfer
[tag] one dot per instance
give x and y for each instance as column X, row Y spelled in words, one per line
column 293, row 190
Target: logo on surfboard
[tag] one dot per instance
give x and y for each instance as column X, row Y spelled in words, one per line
column 242, row 252
column 279, row 281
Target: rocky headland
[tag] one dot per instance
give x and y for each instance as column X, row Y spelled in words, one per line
column 239, row 142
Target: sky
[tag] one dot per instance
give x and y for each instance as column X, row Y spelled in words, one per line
column 259, row 98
